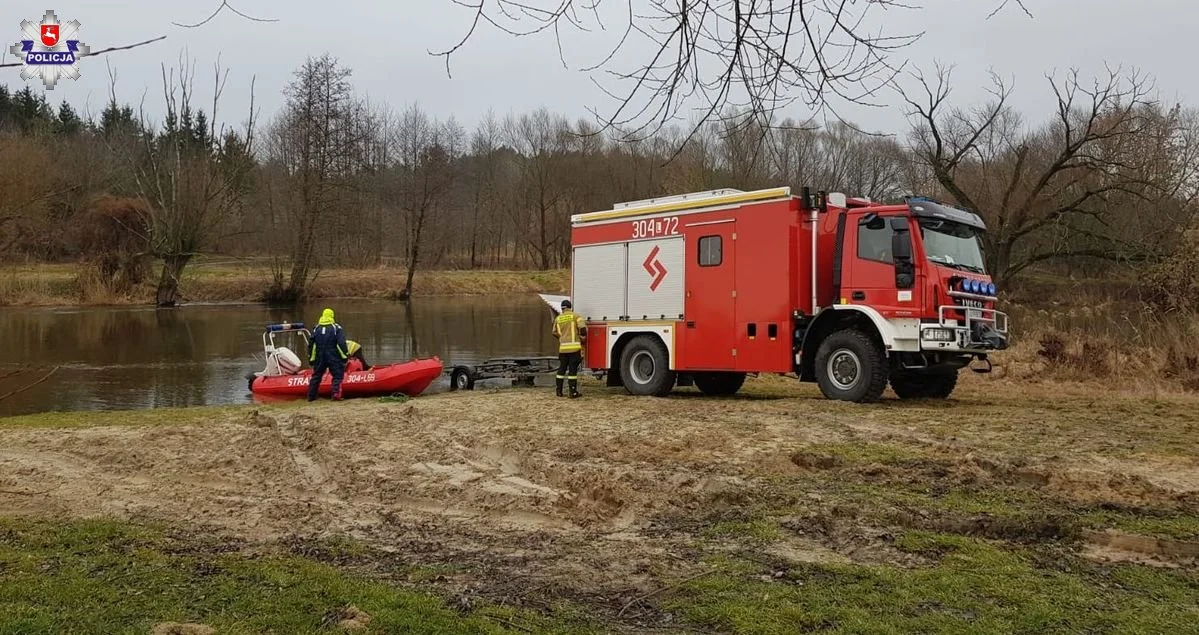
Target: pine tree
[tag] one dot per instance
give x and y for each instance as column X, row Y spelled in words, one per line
column 116, row 120
column 6, row 107
column 69, row 122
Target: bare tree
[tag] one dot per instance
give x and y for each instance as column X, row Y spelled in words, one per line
column 485, row 148
column 193, row 175
column 426, row 153
column 539, row 140
column 26, row 190
column 1036, row 187
column 313, row 140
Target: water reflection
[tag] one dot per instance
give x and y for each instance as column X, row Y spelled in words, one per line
column 143, row 358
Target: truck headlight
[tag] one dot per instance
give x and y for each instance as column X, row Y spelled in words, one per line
column 938, row 335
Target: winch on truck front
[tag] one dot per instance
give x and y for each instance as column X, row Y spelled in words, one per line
column 705, row 288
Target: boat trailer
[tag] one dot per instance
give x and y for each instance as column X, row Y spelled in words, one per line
column 521, row 370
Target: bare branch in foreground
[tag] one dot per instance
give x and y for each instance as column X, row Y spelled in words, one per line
column 221, row 7
column 110, row 49
column 703, row 58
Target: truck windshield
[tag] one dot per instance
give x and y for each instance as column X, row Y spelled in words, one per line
column 952, row 244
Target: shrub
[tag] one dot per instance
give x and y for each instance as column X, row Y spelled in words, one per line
column 114, row 237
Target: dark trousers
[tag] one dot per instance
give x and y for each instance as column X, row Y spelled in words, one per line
column 568, row 369
column 337, row 368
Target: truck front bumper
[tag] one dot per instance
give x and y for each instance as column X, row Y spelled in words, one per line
column 983, row 331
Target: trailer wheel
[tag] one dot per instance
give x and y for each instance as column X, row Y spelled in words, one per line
column 645, row 367
column 924, row 386
column 851, row 366
column 460, row 379
column 716, row 384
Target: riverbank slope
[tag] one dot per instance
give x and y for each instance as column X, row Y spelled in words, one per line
column 63, row 285
column 1008, row 508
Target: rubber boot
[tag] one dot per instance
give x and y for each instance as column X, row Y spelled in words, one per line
column 574, row 389
column 337, row 396
column 558, row 384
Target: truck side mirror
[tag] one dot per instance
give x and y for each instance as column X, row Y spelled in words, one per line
column 901, row 254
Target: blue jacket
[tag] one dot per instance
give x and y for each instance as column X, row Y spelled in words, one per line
column 328, row 343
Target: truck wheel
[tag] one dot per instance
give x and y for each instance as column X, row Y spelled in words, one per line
column 460, row 379
column 715, row 384
column 645, row 367
column 924, row 386
column 851, row 366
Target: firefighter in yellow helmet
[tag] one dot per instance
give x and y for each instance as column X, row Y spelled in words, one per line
column 571, row 330
column 355, row 353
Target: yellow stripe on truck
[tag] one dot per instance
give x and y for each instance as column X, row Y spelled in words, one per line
column 778, row 192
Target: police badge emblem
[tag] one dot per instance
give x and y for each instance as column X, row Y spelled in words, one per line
column 50, row 50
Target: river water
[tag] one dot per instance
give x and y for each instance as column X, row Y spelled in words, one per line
column 125, row 358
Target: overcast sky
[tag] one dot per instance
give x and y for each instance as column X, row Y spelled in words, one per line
column 387, row 45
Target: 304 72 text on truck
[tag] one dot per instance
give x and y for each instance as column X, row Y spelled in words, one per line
column 704, row 288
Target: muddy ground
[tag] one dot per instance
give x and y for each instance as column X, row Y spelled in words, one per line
column 513, row 495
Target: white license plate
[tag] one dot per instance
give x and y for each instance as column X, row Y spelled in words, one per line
column 974, row 314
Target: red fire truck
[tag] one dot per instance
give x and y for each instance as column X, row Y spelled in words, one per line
column 704, row 288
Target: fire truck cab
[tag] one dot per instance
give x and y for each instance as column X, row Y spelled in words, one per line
column 705, row 288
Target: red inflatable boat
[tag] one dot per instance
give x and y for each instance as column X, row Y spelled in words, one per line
column 283, row 377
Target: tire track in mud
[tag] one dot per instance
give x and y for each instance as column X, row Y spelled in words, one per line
column 291, row 436
column 301, row 438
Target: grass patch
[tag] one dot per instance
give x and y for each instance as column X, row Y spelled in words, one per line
column 1165, row 523
column 755, row 530
column 63, row 285
column 108, row 577
column 148, row 417
column 863, row 453
column 975, row 587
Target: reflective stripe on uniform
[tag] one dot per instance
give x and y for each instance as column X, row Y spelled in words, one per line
column 566, row 328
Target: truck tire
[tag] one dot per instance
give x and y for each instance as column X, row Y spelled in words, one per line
column 851, row 366
column 924, row 386
column 460, row 379
column 645, row 367
column 717, row 384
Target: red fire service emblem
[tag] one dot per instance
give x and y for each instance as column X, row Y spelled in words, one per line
column 655, row 269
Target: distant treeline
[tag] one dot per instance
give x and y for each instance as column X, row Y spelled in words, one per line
column 1110, row 178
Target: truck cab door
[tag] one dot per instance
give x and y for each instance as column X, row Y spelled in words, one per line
column 879, row 268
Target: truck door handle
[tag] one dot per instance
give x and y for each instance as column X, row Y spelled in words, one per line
column 859, row 295
column 691, row 325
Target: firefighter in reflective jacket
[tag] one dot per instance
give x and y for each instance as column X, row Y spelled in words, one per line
column 571, row 331
column 355, row 351
column 327, row 352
